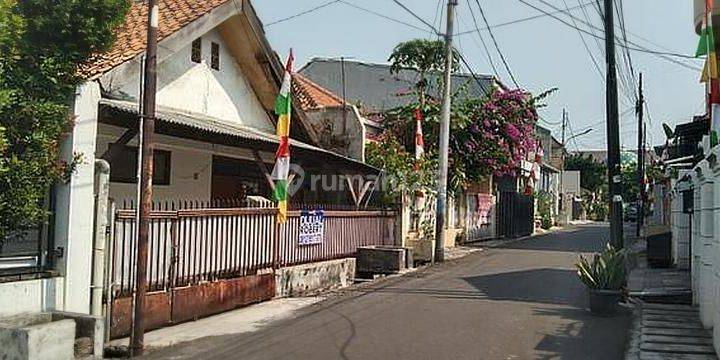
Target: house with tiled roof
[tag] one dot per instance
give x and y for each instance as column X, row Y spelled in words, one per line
column 217, row 81
column 340, row 125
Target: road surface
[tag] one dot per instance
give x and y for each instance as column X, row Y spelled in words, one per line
column 518, row 301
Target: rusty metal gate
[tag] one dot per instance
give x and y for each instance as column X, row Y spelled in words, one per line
column 516, row 214
column 206, row 261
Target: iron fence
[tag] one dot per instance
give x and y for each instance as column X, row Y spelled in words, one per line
column 190, row 246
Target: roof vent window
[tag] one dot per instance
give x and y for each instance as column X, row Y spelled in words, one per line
column 196, row 53
column 215, row 56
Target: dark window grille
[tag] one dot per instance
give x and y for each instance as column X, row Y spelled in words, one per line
column 196, row 54
column 123, row 167
column 215, row 56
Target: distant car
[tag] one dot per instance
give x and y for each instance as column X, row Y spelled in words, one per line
column 630, row 212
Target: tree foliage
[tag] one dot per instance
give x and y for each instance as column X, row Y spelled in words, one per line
column 423, row 56
column 593, row 174
column 42, row 42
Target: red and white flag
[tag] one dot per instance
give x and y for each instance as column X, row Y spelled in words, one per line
column 419, row 142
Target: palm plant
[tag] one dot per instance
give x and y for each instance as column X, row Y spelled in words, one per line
column 606, row 271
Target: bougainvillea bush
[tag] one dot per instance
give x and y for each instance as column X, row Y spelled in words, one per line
column 489, row 135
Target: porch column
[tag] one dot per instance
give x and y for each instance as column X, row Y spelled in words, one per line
column 74, row 201
column 707, row 286
column 695, row 244
column 715, row 174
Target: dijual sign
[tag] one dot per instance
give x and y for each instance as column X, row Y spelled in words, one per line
column 312, row 227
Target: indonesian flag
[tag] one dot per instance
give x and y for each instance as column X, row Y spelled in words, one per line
column 281, row 170
column 419, row 142
column 419, row 152
column 706, row 46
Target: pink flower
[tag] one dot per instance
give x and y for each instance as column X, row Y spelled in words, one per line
column 513, row 132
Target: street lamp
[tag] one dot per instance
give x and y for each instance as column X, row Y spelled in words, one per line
column 578, row 135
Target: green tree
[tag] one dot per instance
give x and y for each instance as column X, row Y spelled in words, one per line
column 423, row 56
column 630, row 187
column 43, row 43
column 593, row 174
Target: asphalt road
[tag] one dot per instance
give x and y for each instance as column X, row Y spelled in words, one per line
column 519, row 301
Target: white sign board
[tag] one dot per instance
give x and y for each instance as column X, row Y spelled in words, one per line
column 311, row 227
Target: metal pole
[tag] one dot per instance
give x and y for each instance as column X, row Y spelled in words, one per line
column 148, row 115
column 563, row 210
column 344, row 99
column 441, row 208
column 613, row 131
column 640, row 157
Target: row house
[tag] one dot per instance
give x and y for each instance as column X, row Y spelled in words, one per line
column 213, row 221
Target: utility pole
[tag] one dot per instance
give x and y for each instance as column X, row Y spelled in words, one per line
column 145, row 203
column 342, row 77
column 563, row 210
column 640, row 157
column 441, row 208
column 613, row 130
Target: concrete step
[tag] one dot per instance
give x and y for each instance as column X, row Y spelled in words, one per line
column 678, row 348
column 683, row 318
column 671, row 324
column 677, row 332
column 669, row 312
column 652, row 355
column 669, row 307
column 669, row 339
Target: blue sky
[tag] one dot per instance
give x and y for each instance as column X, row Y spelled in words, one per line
column 542, row 53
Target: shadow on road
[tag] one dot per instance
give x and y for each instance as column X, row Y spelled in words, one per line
column 549, row 286
column 591, row 240
column 585, row 336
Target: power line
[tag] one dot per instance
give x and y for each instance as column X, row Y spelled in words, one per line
column 497, row 47
column 302, row 13
column 381, row 15
column 587, row 48
column 416, row 16
column 521, row 20
column 482, row 40
column 639, row 48
column 472, row 73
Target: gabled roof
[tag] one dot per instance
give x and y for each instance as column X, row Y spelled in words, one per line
column 132, row 34
column 374, row 89
column 312, row 96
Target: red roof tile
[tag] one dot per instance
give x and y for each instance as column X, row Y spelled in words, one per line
column 313, row 96
column 131, row 35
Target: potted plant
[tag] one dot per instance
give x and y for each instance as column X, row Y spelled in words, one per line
column 605, row 277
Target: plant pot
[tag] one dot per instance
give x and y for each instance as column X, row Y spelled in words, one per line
column 604, row 302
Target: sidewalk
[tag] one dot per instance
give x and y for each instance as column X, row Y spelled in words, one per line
column 665, row 325
column 244, row 320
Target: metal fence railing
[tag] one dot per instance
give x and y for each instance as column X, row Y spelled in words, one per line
column 192, row 246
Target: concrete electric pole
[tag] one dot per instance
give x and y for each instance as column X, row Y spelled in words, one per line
column 613, row 131
column 145, row 203
column 640, row 157
column 441, row 208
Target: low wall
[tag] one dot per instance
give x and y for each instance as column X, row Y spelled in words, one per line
column 31, row 296
column 307, row 278
column 192, row 302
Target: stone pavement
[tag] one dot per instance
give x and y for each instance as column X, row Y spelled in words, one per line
column 670, row 331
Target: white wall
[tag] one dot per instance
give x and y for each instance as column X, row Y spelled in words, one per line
column 707, row 286
column 75, row 201
column 195, row 87
column 31, row 296
column 571, row 182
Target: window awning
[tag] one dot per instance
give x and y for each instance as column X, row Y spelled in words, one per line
column 194, row 126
